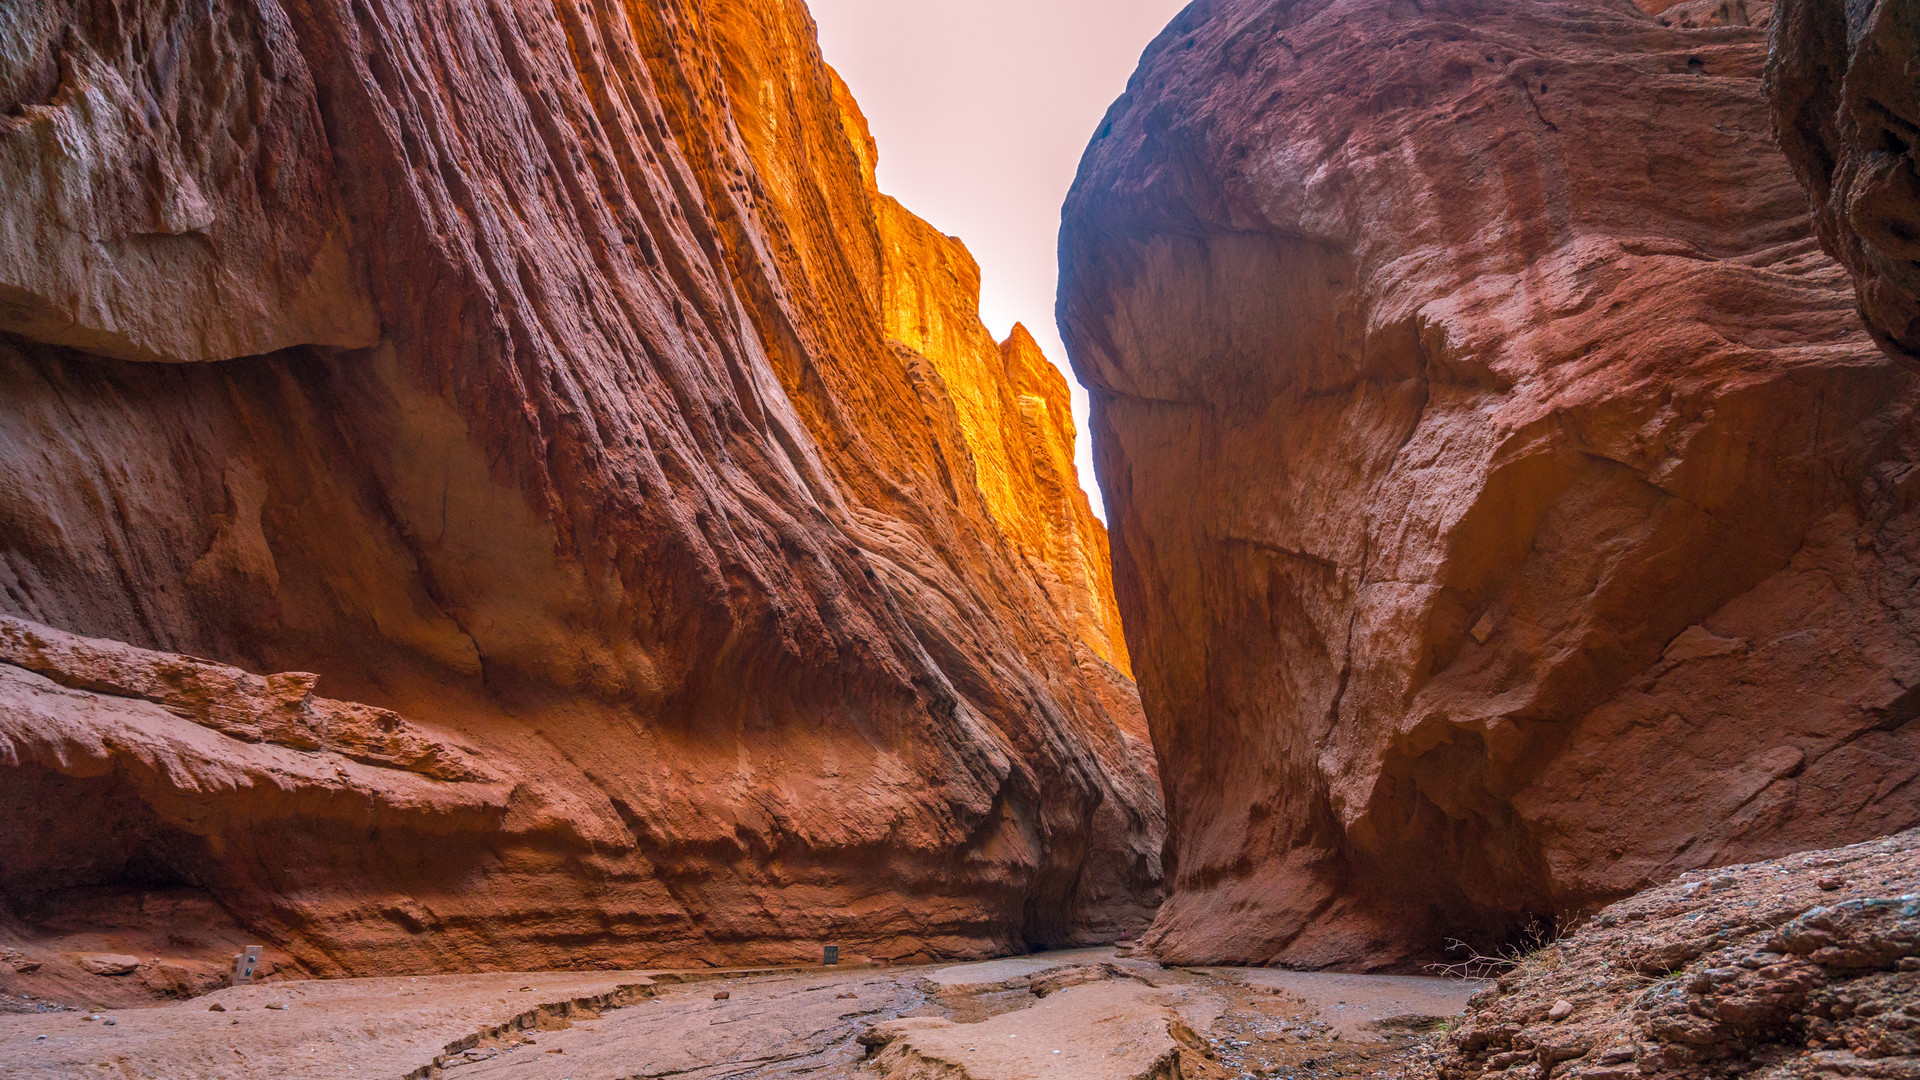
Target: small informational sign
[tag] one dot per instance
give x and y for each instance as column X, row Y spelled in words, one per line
column 830, row 955
column 244, row 964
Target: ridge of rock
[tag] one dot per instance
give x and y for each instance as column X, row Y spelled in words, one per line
column 1508, row 511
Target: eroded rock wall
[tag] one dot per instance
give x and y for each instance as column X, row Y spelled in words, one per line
column 521, row 370
column 1013, row 408
column 1508, row 509
column 1847, row 108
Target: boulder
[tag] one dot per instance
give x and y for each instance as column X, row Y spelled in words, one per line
column 109, row 963
column 1509, row 511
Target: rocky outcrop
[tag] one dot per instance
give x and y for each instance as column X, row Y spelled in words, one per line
column 1509, row 512
column 279, row 709
column 522, row 373
column 1847, row 109
column 1804, row 967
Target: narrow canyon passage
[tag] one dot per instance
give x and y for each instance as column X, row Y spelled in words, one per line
column 519, row 559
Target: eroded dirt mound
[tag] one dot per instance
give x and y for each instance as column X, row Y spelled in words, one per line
column 1509, row 511
column 530, row 377
column 1805, row 966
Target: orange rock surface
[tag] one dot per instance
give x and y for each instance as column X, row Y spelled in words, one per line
column 1012, row 406
column 1509, row 511
column 523, row 372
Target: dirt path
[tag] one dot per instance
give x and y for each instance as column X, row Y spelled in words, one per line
column 1087, row 1015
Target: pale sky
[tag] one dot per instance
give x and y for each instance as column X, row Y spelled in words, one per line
column 982, row 109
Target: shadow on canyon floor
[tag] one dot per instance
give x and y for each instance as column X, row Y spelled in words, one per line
column 1806, row 966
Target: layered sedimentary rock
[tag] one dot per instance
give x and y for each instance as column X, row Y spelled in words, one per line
column 515, row 379
column 1847, row 107
column 1508, row 509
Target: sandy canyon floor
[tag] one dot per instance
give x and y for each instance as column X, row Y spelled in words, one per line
column 1088, row 1014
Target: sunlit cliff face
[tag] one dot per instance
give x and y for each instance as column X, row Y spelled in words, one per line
column 1013, row 408
column 576, row 431
column 984, row 109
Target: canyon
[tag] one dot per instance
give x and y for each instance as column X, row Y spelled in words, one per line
column 497, row 487
column 1510, row 511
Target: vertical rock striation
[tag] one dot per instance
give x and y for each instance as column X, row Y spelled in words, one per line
column 1012, row 407
column 1508, row 510
column 521, row 370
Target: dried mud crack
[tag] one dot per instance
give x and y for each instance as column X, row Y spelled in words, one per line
column 1088, row 1014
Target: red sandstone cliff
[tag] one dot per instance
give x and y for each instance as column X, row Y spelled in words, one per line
column 1012, row 407
column 1509, row 511
column 522, row 370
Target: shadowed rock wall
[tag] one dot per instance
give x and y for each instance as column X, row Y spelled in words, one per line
column 1508, row 510
column 521, row 369
column 1847, row 108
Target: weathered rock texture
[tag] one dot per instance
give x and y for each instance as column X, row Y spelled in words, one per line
column 1509, row 511
column 1803, row 967
column 523, row 370
column 1011, row 405
column 1847, row 106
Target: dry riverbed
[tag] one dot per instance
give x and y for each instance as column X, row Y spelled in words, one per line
column 1083, row 1015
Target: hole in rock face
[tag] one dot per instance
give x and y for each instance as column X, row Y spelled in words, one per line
column 64, row 833
column 88, row 864
column 1894, row 141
